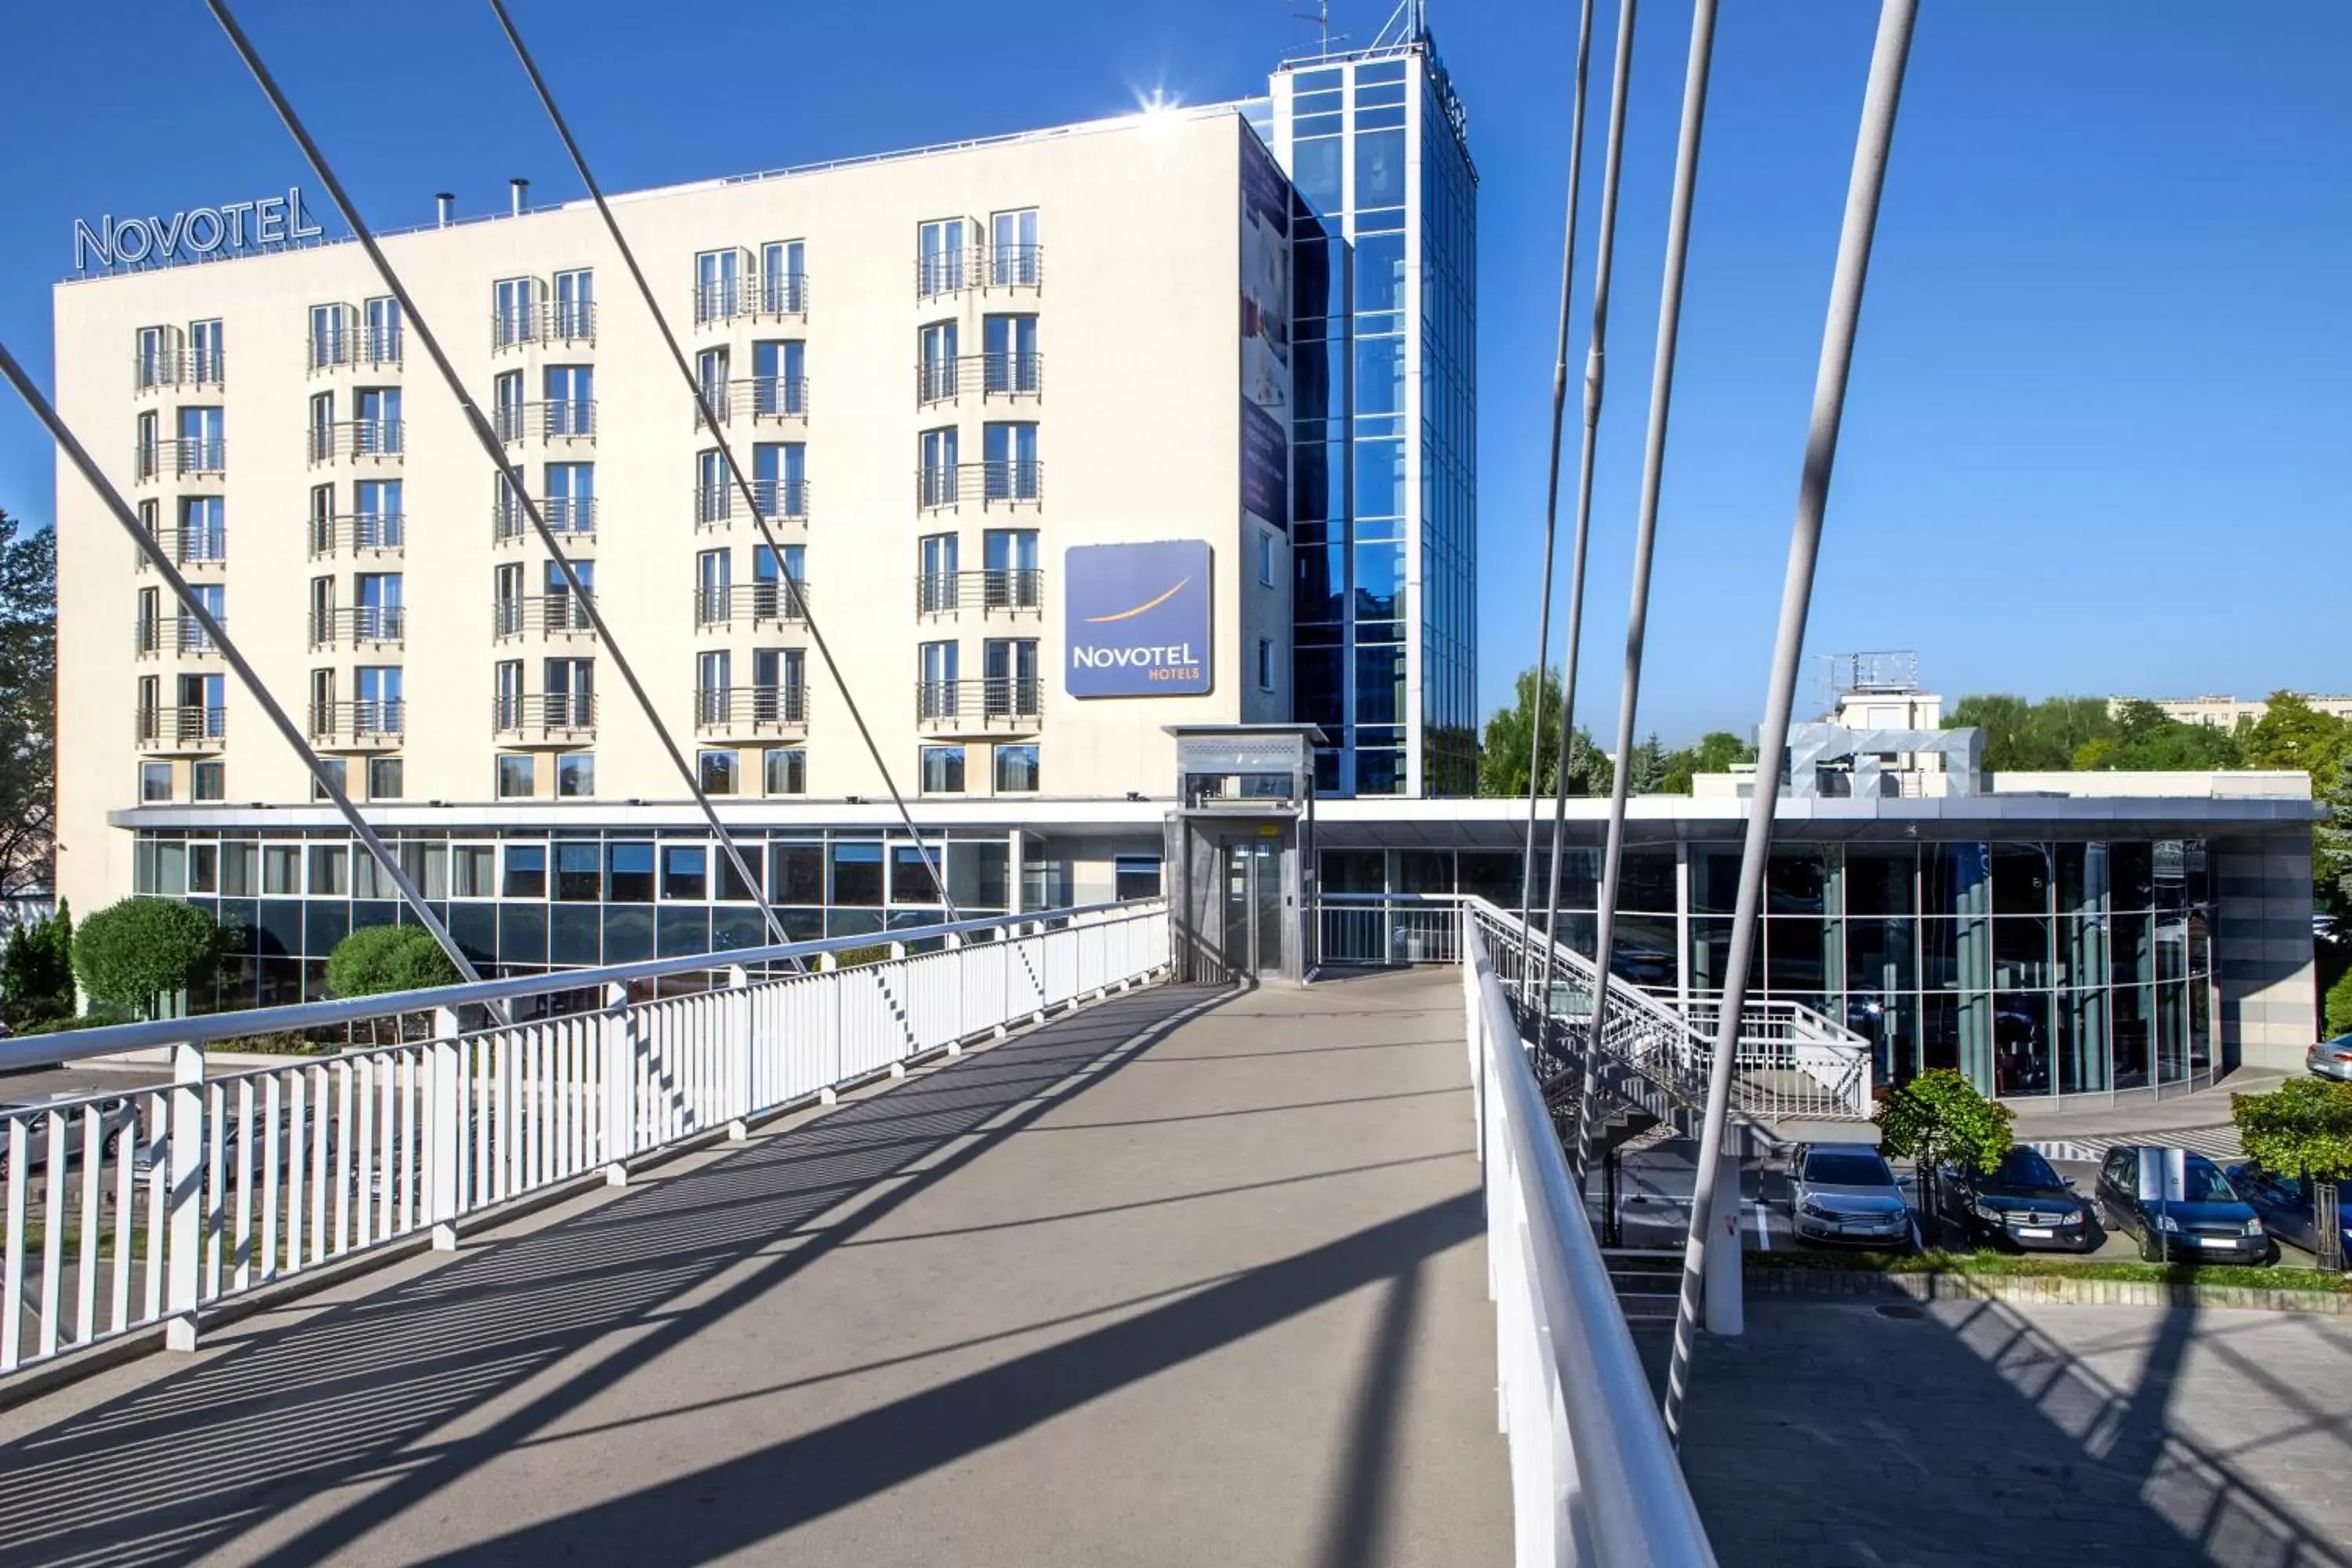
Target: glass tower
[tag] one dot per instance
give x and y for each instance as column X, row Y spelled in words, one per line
column 1384, row 436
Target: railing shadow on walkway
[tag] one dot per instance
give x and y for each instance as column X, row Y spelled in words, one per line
column 352, row 1396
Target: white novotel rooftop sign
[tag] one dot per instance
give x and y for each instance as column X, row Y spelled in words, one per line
column 231, row 228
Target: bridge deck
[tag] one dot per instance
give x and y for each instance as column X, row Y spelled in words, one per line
column 1186, row 1278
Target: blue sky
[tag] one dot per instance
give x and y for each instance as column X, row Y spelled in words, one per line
column 2100, row 437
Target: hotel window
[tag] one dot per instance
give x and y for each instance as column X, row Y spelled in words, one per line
column 686, row 872
column 1009, row 348
column 1010, row 452
column 1266, row 663
column 935, row 588
column 570, row 688
column 210, row 780
column 575, row 304
column 1016, row 770
column 575, row 774
column 570, row 400
column 518, row 775
column 386, row 778
column 937, row 347
column 505, row 404
column 1135, row 876
column 1264, row 559
column 717, row 771
column 571, row 504
column 330, row 870
column 1010, row 555
column 377, row 427
column 937, row 662
column 281, row 870
column 714, row 496
column 338, row 773
column 506, row 688
column 322, row 426
column 376, row 522
column 146, row 441
column 783, row 277
column 717, row 276
column 204, row 868
column 780, row 478
column 939, row 247
column 1011, row 664
column 154, row 781
column 149, row 512
column 579, row 872
column 942, row 770
column 779, row 377
column 473, row 870
column 205, row 360
column 513, row 306
column 939, row 471
column 1013, row 252
column 784, row 769
column 629, row 873
column 379, row 330
column 330, row 336
column 203, row 449
column 710, row 377
column 526, row 871
column 155, row 363
column 204, row 535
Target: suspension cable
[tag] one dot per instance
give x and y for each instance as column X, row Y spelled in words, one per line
column 1595, row 360
column 1552, row 481
column 727, row 451
column 1888, row 57
column 321, row 778
column 510, row 472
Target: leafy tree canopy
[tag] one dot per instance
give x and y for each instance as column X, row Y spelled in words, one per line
column 2301, row 1129
column 130, row 953
column 28, row 678
column 1503, row 754
column 1938, row 1118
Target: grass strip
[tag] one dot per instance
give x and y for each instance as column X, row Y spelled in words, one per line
column 2034, row 1267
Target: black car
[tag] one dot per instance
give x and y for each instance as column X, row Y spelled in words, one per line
column 2287, row 1208
column 2023, row 1202
column 2209, row 1224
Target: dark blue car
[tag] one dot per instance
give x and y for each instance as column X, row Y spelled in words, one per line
column 2288, row 1207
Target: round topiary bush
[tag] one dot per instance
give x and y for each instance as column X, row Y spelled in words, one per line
column 374, row 960
column 131, row 952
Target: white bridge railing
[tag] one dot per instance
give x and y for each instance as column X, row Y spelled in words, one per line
column 126, row 1210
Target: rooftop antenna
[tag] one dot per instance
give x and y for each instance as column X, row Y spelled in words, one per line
column 1321, row 18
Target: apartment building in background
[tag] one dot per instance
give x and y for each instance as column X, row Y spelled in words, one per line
column 1033, row 424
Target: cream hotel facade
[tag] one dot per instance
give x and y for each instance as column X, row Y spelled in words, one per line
column 943, row 372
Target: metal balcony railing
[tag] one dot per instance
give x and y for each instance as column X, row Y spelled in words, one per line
column 751, row 710
column 991, row 375
column 566, row 518
column 734, row 298
column 351, row 438
column 194, row 727
column 1017, row 590
column 355, row 532
column 369, row 720
column 1016, row 265
column 557, row 713
column 986, row 483
column 359, row 626
column 758, row 397
column 761, row 604
column 178, row 367
column 546, row 322
column 557, row 615
column 559, row 420
column 153, row 636
column 191, row 546
column 181, row 455
column 361, row 348
column 782, row 294
column 1013, row 700
column 785, row 498
column 978, row 266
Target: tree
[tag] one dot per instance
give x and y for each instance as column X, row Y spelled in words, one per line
column 2032, row 736
column 1645, row 769
column 1503, row 755
column 38, row 962
column 2147, row 739
column 2303, row 1129
column 1715, row 751
column 2339, row 1005
column 131, row 952
column 28, row 680
column 1938, row 1118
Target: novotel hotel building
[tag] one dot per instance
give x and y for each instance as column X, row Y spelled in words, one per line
column 1065, row 438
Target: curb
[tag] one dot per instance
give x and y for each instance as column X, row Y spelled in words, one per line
column 2049, row 1289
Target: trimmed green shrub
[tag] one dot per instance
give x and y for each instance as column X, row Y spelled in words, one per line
column 131, row 952
column 374, row 960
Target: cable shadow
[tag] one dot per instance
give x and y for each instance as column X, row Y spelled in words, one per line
column 1247, row 1111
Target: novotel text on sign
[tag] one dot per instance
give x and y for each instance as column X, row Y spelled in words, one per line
column 237, row 227
column 1137, row 619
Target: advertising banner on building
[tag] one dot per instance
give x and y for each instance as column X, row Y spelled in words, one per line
column 1266, row 337
column 1137, row 622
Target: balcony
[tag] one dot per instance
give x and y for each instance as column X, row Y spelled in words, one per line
column 180, row 729
column 178, row 367
column 357, row 348
column 358, row 533
column 182, row 456
column 1010, row 591
column 1001, row 703
column 187, row 547
column 568, row 519
column 776, row 397
column 1002, row 482
column 721, row 711
column 566, row 419
column 990, row 375
column 747, row 299
column 560, row 617
column 948, row 272
column 753, row 604
column 548, row 321
column 777, row 500
column 359, row 626
column 372, row 441
column 152, row 636
column 555, row 717
column 365, row 725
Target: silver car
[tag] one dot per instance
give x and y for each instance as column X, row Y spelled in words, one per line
column 2331, row 1059
column 1846, row 1193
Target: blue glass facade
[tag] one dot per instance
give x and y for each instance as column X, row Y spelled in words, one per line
column 1384, row 478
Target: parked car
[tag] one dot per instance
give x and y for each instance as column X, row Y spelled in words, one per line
column 2021, row 1202
column 2287, row 1205
column 2209, row 1223
column 2331, row 1059
column 115, row 1117
column 1846, row 1193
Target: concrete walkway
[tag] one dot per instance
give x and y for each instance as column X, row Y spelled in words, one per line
column 1187, row 1277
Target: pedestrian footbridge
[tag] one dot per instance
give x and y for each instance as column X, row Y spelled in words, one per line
column 1004, row 1248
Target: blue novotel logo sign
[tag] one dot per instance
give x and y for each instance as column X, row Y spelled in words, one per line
column 1137, row 619
column 230, row 230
